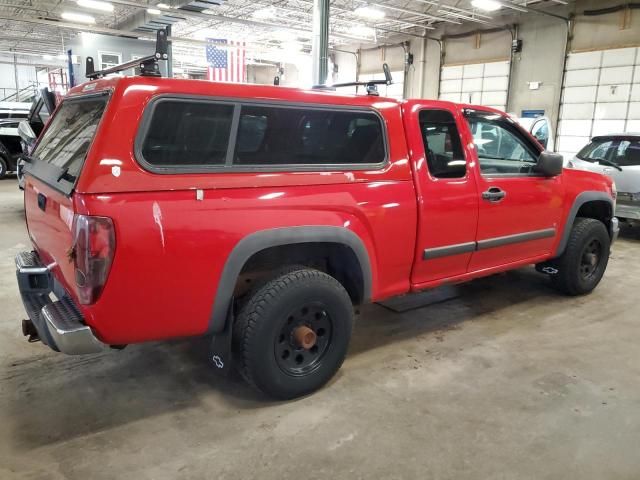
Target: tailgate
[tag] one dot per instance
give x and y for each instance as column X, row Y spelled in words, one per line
column 51, row 174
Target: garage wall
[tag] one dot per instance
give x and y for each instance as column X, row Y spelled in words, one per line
column 541, row 60
column 476, row 69
column 601, row 95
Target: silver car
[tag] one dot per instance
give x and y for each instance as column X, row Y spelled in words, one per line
column 619, row 157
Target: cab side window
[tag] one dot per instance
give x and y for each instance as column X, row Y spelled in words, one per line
column 502, row 149
column 442, row 144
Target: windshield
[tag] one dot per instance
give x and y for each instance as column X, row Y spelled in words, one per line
column 621, row 151
column 68, row 138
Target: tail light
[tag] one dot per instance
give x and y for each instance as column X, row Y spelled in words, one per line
column 93, row 251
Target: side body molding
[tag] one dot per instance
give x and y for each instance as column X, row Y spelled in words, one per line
column 263, row 239
column 580, row 200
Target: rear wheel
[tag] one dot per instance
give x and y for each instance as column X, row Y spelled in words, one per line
column 292, row 334
column 3, row 167
column 584, row 261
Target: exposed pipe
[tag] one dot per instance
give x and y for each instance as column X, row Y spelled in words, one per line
column 320, row 42
column 617, row 8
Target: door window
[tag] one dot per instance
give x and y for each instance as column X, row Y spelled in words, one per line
column 540, row 131
column 442, row 145
column 502, row 148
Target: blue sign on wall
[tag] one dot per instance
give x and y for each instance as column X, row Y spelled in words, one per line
column 532, row 113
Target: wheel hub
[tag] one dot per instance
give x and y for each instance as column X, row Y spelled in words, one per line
column 304, row 337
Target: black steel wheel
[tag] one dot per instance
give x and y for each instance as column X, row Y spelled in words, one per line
column 304, row 339
column 591, row 256
column 292, row 334
column 584, row 261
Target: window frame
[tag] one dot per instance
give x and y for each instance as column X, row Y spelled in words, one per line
column 533, row 148
column 229, row 166
column 462, row 148
column 48, row 173
column 104, row 52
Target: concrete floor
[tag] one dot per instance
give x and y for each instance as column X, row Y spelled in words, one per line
column 509, row 380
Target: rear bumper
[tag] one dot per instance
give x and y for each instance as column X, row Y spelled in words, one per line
column 628, row 210
column 59, row 324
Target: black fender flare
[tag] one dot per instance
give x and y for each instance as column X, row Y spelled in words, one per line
column 255, row 242
column 580, row 200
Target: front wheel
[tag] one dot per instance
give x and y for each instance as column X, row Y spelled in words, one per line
column 292, row 334
column 584, row 261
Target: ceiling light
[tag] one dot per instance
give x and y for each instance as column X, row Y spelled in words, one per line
column 368, row 12
column 163, row 5
column 486, row 5
column 96, row 5
column 264, row 13
column 153, row 11
column 47, row 57
column 78, row 17
column 362, row 31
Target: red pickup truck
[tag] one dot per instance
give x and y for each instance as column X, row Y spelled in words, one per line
column 261, row 215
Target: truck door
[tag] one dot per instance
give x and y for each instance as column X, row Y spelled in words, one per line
column 520, row 210
column 446, row 189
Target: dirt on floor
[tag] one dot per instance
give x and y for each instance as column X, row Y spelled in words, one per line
column 506, row 379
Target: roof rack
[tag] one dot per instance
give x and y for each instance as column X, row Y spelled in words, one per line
column 148, row 65
column 371, row 86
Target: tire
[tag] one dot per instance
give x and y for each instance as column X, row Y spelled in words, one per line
column 584, row 261
column 3, row 167
column 269, row 357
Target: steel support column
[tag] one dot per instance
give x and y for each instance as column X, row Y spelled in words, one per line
column 320, row 42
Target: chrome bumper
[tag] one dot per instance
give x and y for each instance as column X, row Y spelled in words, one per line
column 624, row 210
column 614, row 229
column 59, row 324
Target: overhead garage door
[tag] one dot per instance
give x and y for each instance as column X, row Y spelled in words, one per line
column 476, row 83
column 600, row 95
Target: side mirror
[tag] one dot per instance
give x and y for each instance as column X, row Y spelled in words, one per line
column 549, row 164
column 27, row 136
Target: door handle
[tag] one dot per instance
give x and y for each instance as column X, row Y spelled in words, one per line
column 42, row 202
column 494, row 194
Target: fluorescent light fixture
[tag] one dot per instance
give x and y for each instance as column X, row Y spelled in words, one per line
column 153, row 11
column 163, row 5
column 487, row 5
column 368, row 12
column 264, row 13
column 96, row 5
column 47, row 57
column 78, row 17
column 362, row 31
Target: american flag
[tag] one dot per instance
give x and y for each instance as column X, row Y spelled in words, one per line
column 227, row 60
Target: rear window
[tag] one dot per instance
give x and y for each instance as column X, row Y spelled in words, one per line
column 625, row 152
column 67, row 140
column 191, row 135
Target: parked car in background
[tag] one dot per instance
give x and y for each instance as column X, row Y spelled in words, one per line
column 540, row 129
column 618, row 156
column 12, row 143
column 14, row 110
column 29, row 129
